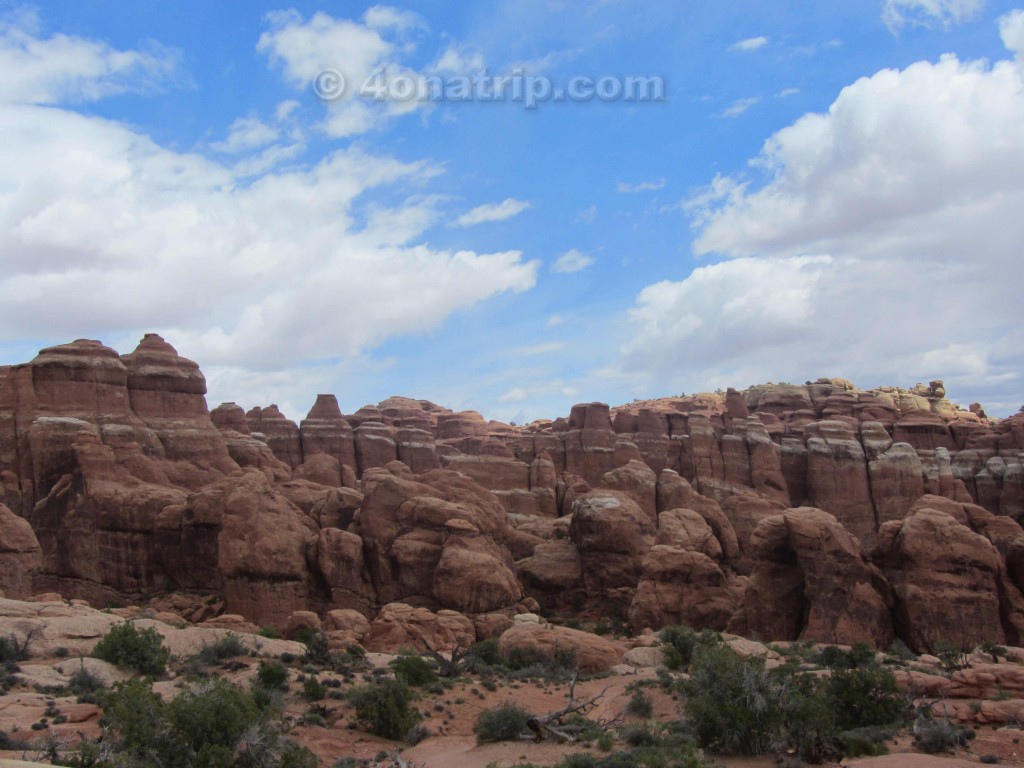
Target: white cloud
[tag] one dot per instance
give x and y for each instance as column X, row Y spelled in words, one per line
column 107, row 234
column 785, row 93
column 490, row 212
column 514, row 395
column 457, row 61
column 247, row 133
column 544, row 348
column 898, row 13
column 1011, row 29
column 910, row 188
column 738, row 107
column 571, row 261
column 643, row 186
column 587, row 215
column 749, row 44
column 61, row 69
column 386, row 17
column 554, row 321
column 368, row 61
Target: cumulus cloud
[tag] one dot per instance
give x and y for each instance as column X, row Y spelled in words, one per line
column 363, row 53
column 572, row 261
column 749, row 44
column 898, row 13
column 61, row 68
column 484, row 214
column 106, row 233
column 1011, row 29
column 878, row 244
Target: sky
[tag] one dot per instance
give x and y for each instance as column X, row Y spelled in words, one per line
column 513, row 206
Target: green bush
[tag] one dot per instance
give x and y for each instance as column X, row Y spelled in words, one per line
column 129, row 648
column 414, row 670
column 226, row 647
column 82, row 682
column 484, row 652
column 866, row 696
column 503, row 723
column 313, row 689
column 640, row 705
column 272, row 675
column 212, row 716
column 678, row 644
column 834, row 657
column 738, row 706
column 865, row 742
column 212, row 725
column 385, row 708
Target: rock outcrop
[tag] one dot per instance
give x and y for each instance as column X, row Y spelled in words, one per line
column 816, row 511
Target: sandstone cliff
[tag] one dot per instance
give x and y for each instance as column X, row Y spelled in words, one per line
column 817, row 511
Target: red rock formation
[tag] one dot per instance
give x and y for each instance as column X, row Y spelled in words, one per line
column 944, row 578
column 277, row 431
column 612, row 534
column 592, row 654
column 325, row 431
column 683, row 586
column 810, row 583
column 20, row 555
column 129, row 485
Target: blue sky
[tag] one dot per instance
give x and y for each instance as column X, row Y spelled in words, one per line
column 826, row 189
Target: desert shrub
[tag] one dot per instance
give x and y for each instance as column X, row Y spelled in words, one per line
column 900, row 650
column 865, row 742
column 212, row 725
column 11, row 744
column 638, row 736
column 226, row 647
column 486, row 652
column 272, row 675
column 414, row 670
column 994, row 650
column 13, row 649
column 385, row 708
column 82, row 682
column 503, row 723
column 129, row 648
column 640, row 705
column 416, row 734
column 938, row 735
column 953, row 657
column 313, row 689
column 137, row 716
column 736, row 705
column 318, row 649
column 834, row 657
column 864, row 696
column 678, row 643
column 530, row 661
column 212, row 717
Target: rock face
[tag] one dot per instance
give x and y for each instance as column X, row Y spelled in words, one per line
column 810, row 583
column 612, row 534
column 814, row 511
column 949, row 582
column 20, row 555
column 593, row 654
